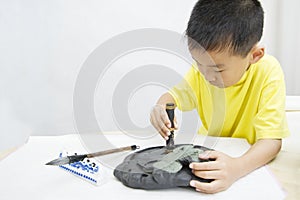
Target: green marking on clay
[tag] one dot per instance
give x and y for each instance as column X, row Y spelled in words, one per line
column 170, row 161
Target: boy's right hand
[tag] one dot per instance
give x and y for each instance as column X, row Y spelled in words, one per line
column 160, row 120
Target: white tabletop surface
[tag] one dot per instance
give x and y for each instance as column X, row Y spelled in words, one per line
column 24, row 175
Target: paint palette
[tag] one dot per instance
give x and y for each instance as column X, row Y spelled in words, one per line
column 88, row 169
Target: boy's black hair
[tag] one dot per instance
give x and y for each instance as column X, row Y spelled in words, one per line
column 218, row 25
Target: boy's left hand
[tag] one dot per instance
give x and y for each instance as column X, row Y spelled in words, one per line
column 224, row 170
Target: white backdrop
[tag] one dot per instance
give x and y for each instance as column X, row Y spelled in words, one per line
column 44, row 43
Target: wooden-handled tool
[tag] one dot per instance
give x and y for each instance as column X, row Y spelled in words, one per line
column 77, row 158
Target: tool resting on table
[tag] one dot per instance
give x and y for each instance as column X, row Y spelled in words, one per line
column 77, row 158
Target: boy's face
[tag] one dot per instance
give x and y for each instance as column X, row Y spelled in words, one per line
column 222, row 69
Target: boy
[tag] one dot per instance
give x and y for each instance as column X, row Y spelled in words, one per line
column 233, row 71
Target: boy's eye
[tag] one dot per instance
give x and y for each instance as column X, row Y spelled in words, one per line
column 216, row 69
column 219, row 71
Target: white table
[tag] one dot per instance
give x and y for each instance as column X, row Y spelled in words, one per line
column 23, row 174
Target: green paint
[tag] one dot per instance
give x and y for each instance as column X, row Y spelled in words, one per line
column 170, row 162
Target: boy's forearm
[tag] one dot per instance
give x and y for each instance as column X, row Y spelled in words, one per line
column 262, row 152
column 166, row 98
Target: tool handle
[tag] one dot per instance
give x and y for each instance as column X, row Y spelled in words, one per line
column 170, row 111
column 110, row 151
column 170, row 107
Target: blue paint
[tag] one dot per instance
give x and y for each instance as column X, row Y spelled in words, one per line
column 85, row 167
column 81, row 167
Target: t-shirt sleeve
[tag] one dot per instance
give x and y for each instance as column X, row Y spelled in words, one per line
column 185, row 92
column 270, row 121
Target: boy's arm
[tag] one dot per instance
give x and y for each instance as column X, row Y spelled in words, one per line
column 166, row 98
column 159, row 117
column 183, row 95
column 225, row 170
column 260, row 153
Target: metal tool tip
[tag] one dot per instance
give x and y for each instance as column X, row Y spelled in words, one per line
column 59, row 161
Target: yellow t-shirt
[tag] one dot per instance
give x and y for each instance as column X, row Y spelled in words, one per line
column 253, row 108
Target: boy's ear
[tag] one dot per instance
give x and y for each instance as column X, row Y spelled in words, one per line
column 256, row 54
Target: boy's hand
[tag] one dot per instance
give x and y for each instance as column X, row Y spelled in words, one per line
column 160, row 120
column 224, row 170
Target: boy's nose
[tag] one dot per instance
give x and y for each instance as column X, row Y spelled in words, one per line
column 209, row 76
